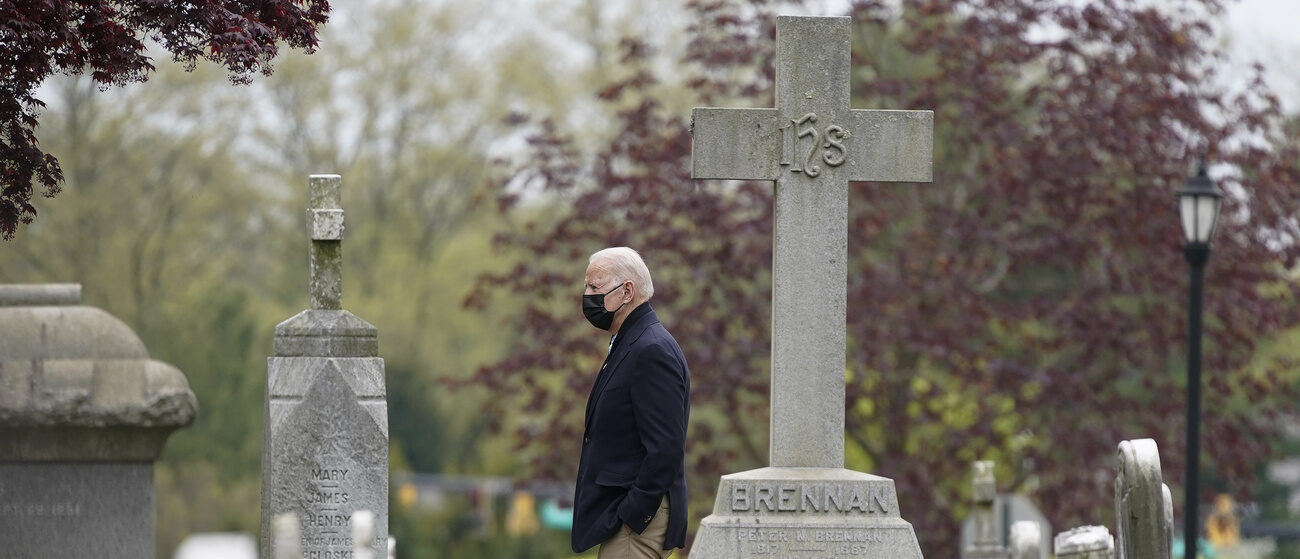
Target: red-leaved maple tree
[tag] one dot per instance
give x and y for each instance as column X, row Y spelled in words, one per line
column 1028, row 306
column 39, row 38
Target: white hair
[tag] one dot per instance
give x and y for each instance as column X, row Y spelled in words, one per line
column 626, row 264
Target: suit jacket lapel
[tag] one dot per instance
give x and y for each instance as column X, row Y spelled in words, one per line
column 613, row 360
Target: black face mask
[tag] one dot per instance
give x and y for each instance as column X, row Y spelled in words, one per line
column 593, row 307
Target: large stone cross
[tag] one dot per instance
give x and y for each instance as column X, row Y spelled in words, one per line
column 812, row 145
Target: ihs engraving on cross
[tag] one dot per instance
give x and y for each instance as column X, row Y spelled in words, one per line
column 831, row 141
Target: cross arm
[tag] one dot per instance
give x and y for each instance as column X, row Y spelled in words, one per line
column 735, row 144
column 891, row 146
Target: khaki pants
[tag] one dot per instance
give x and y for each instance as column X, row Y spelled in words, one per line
column 649, row 544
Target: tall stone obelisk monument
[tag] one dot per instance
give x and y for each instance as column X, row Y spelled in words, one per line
column 325, row 426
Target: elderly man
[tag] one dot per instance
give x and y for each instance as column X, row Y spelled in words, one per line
column 631, row 491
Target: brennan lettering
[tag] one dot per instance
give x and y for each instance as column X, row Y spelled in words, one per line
column 761, row 497
column 785, row 500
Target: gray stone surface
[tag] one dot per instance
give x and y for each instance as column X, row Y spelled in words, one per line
column 325, row 230
column 326, row 333
column 808, row 513
column 325, row 421
column 989, row 531
column 1141, row 498
column 84, row 412
column 812, row 144
column 1008, row 509
column 1085, row 542
column 76, row 510
column 287, row 537
column 1026, row 541
column 39, row 294
column 986, row 542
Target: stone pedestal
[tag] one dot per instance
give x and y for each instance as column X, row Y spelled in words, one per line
column 84, row 413
column 805, row 513
column 325, row 425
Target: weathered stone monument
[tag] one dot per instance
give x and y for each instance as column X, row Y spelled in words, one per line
column 1085, row 542
column 84, row 413
column 986, row 543
column 1144, row 511
column 1001, row 525
column 812, row 145
column 1144, row 515
column 325, row 426
column 1026, row 540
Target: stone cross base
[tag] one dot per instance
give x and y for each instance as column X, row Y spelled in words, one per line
column 325, row 433
column 805, row 513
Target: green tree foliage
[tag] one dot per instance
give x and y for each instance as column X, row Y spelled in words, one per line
column 1028, row 306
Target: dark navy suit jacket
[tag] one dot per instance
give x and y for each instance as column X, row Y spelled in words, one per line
column 634, row 443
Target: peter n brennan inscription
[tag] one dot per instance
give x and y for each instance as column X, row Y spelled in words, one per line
column 784, row 542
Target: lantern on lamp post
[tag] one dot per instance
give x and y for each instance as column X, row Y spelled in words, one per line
column 1198, row 207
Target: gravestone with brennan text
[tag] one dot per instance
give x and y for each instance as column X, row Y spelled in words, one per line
column 325, row 423
column 806, row 504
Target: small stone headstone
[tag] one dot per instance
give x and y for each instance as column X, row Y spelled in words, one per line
column 987, row 542
column 84, row 413
column 285, row 531
column 363, row 530
column 325, row 425
column 1143, row 528
column 1085, row 542
column 812, row 144
column 1026, row 540
column 986, row 532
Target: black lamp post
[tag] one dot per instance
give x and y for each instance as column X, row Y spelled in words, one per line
column 1198, row 204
